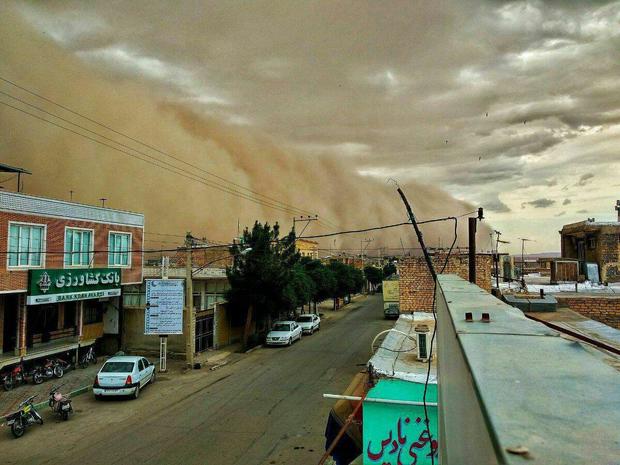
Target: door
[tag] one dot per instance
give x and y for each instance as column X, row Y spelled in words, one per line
column 581, row 256
column 204, row 333
column 142, row 370
column 9, row 334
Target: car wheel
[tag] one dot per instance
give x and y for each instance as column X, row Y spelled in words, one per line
column 98, row 397
column 152, row 380
column 311, row 331
column 58, row 371
column 290, row 341
column 136, row 393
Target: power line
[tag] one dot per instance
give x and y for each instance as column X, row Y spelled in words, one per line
column 190, row 176
column 140, row 142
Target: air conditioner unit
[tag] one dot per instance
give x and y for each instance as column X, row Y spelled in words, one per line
column 423, row 342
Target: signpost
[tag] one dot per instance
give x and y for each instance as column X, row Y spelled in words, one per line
column 163, row 314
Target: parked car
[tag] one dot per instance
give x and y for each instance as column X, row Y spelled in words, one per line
column 309, row 323
column 123, row 376
column 391, row 312
column 283, row 333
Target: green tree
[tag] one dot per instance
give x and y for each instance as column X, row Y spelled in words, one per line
column 262, row 263
column 322, row 277
column 373, row 275
column 389, row 269
column 348, row 279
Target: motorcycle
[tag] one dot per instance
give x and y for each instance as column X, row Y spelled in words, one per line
column 25, row 416
column 52, row 368
column 60, row 404
column 15, row 376
column 88, row 357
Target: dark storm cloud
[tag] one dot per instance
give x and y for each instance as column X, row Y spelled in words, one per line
column 539, row 203
column 560, row 214
column 584, row 179
column 566, row 202
column 496, row 206
column 481, row 97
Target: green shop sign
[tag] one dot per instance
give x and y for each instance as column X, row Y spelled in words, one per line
column 50, row 286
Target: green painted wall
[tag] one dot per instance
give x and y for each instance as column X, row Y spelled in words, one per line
column 396, row 434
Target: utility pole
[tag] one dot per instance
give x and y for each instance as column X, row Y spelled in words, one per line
column 472, row 244
column 304, row 219
column 189, row 304
column 618, row 209
column 523, row 241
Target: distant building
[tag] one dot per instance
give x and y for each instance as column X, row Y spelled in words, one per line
column 65, row 265
column 307, row 248
column 595, row 242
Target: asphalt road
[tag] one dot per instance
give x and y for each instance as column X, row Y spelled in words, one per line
column 267, row 408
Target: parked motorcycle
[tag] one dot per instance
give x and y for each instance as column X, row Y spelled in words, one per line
column 88, row 357
column 14, row 376
column 51, row 369
column 59, row 403
column 25, row 416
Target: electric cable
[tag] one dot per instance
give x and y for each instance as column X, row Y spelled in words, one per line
column 221, row 178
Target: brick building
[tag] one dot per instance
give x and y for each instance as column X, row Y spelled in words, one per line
column 213, row 326
column 61, row 279
column 593, row 241
column 416, row 284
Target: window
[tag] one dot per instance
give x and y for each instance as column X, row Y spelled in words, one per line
column 26, row 245
column 119, row 249
column 141, row 364
column 78, row 247
column 93, row 312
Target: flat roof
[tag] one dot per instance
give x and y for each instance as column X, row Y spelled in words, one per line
column 13, row 169
column 536, row 388
column 396, row 357
column 29, row 204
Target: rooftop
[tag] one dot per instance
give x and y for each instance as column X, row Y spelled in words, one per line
column 396, row 358
column 528, row 388
column 42, row 206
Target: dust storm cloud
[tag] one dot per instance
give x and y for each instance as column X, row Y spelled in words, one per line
column 173, row 203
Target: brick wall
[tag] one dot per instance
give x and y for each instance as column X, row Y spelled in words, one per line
column 416, row 284
column 215, row 257
column 17, row 280
column 605, row 309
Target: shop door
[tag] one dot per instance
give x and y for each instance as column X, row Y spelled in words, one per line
column 204, row 333
column 9, row 335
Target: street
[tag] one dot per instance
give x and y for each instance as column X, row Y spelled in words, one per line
column 267, row 408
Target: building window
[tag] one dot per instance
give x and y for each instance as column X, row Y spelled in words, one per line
column 592, row 243
column 78, row 247
column 26, row 245
column 93, row 313
column 119, row 249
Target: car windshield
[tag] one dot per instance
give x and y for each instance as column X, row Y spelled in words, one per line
column 304, row 319
column 282, row 327
column 117, row 367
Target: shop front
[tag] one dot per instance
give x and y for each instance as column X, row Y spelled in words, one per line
column 62, row 310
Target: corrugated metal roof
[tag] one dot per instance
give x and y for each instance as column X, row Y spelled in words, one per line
column 28, row 204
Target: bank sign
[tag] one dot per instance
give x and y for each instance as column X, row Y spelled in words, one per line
column 51, row 286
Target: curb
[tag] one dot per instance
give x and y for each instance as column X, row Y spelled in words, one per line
column 72, row 394
column 253, row 348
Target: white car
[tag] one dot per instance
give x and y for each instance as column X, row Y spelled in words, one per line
column 283, row 333
column 309, row 323
column 123, row 376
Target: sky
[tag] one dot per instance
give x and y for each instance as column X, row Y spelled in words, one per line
column 513, row 106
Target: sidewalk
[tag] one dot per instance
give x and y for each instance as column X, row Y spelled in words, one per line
column 72, row 379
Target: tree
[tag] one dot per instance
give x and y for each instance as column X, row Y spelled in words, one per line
column 322, row 277
column 373, row 275
column 256, row 277
column 348, row 279
column 389, row 269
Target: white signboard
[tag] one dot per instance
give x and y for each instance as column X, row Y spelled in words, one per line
column 164, row 306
